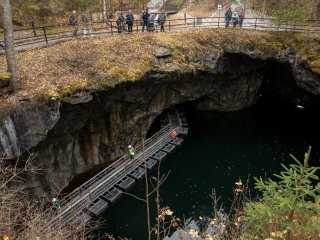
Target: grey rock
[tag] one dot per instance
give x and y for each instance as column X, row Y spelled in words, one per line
column 177, row 235
column 91, row 129
column 161, row 53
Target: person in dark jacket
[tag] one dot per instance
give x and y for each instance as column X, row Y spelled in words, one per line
column 73, row 21
column 120, row 22
column 130, row 19
column 145, row 17
column 241, row 18
column 228, row 16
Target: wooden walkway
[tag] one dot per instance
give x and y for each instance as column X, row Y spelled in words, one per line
column 98, row 193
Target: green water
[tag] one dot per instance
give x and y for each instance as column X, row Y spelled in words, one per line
column 220, row 149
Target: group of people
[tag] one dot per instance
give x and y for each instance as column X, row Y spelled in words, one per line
column 122, row 21
column 234, row 17
column 73, row 21
column 148, row 21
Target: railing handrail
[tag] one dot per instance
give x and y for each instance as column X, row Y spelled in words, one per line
column 85, row 196
column 85, row 185
column 78, row 203
column 257, row 23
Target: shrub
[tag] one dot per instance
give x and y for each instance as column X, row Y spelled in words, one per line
column 289, row 207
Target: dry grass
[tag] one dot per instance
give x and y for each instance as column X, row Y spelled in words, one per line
column 24, row 218
column 58, row 71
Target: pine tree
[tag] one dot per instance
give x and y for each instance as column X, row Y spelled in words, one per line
column 289, row 207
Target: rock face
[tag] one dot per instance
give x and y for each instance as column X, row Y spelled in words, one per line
column 93, row 128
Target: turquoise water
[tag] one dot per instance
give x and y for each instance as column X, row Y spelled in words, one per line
column 220, row 149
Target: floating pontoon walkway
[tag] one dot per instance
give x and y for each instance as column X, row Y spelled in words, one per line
column 97, row 194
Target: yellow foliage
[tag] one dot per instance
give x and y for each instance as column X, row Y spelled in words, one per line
column 5, row 76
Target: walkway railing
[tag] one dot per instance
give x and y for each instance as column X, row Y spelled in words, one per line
column 91, row 198
column 40, row 36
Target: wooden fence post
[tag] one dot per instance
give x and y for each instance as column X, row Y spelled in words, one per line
column 45, row 34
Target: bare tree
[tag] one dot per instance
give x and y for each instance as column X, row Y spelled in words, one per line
column 5, row 8
column 104, row 11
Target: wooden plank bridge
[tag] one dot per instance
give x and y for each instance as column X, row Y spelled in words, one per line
column 98, row 193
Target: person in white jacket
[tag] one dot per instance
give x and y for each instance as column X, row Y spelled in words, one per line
column 235, row 19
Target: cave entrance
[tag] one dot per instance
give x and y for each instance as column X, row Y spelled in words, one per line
column 221, row 148
column 187, row 108
column 280, row 87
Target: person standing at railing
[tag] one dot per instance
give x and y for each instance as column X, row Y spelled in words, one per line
column 241, row 18
column 150, row 24
column 131, row 151
column 161, row 21
column 235, row 19
column 85, row 21
column 228, row 16
column 130, row 19
column 73, row 21
column 145, row 17
column 120, row 22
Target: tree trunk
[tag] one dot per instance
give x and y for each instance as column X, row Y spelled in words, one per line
column 104, row 11
column 5, row 7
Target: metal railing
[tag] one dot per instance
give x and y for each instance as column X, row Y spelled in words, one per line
column 36, row 36
column 73, row 204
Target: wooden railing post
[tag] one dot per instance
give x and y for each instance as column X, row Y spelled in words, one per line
column 169, row 25
column 255, row 24
column 45, row 34
column 137, row 22
column 219, row 21
column 194, row 22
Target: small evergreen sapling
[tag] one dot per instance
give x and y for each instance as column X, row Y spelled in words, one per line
column 289, row 207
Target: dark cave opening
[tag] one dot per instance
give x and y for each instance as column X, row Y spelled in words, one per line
column 278, row 87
